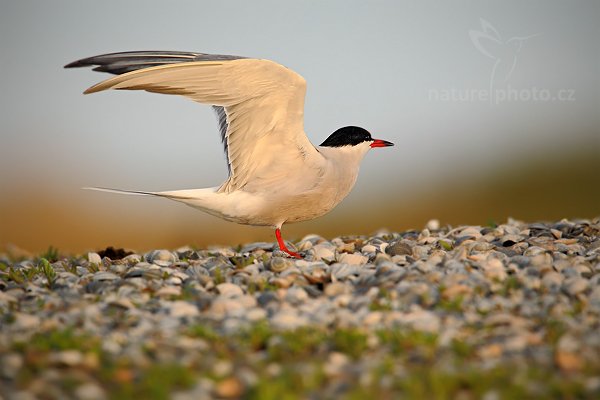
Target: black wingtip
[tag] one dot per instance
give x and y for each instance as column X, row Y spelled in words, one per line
column 140, row 57
column 76, row 64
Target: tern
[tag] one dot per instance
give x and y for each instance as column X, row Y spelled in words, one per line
column 276, row 175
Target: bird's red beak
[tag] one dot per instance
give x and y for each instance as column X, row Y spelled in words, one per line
column 381, row 143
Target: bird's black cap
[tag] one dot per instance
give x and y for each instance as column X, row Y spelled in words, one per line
column 347, row 136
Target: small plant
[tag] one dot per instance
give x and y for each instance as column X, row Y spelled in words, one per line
column 58, row 340
column 51, row 254
column 261, row 286
column 492, row 224
column 219, row 278
column 446, row 245
column 159, row 381
column 203, row 331
column 382, row 302
column 401, row 341
column 187, row 293
column 452, row 305
column 16, row 276
column 510, row 284
column 352, row 342
column 71, row 266
column 93, row 268
column 257, row 337
column 554, row 329
column 241, row 262
column 380, row 305
column 46, row 269
column 298, row 344
column 462, row 349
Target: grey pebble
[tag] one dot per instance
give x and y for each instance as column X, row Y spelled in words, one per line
column 105, row 276
column 229, row 290
column 399, row 248
column 161, row 257
column 575, row 285
column 493, row 289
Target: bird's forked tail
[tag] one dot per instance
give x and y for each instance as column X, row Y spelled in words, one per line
column 177, row 195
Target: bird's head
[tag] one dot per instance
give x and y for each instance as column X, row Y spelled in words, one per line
column 354, row 138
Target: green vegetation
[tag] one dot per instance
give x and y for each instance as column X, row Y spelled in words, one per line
column 446, row 245
column 59, row 340
column 51, row 254
column 295, row 364
column 156, row 382
column 47, row 270
column 240, row 262
column 117, row 375
column 27, row 273
column 93, row 268
column 218, row 276
column 451, row 305
column 510, row 284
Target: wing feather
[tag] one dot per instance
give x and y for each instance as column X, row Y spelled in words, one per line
column 259, row 105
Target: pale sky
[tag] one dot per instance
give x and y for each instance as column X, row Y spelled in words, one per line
column 409, row 72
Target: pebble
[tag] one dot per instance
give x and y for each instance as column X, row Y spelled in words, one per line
column 90, row 391
column 229, row 388
column 399, row 248
column 324, row 251
column 369, row 248
column 25, row 322
column 494, row 269
column 512, row 292
column 353, row 259
column 105, row 276
column 10, row 364
column 344, row 271
column 420, row 320
column 94, row 258
column 161, row 257
column 336, row 363
column 284, row 320
column 279, row 264
column 296, row 295
column 182, row 309
column 336, row 289
column 167, row 291
column 575, row 285
column 67, row 358
column 229, row 290
column 433, row 225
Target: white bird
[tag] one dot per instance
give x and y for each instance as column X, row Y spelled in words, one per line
column 276, row 175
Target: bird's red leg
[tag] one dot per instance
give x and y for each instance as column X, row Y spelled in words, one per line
column 283, row 247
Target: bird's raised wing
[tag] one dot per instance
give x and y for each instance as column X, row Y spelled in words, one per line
column 262, row 102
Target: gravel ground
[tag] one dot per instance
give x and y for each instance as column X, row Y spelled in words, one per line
column 509, row 311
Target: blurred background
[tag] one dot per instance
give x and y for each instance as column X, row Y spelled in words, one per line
column 494, row 109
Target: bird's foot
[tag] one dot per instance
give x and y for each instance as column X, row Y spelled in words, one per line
column 292, row 254
column 283, row 247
